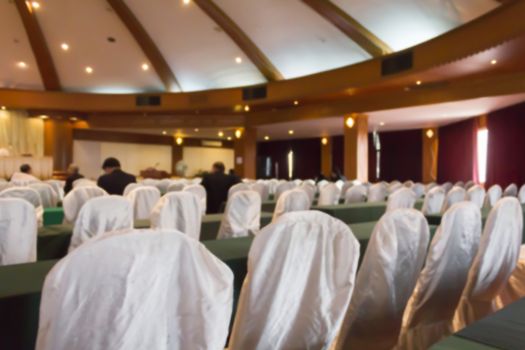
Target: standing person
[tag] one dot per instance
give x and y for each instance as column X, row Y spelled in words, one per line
column 72, row 175
column 217, row 184
column 114, row 180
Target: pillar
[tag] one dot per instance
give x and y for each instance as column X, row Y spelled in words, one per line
column 245, row 152
column 326, row 156
column 430, row 155
column 356, row 147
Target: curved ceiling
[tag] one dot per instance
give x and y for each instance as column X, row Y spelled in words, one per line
column 210, row 45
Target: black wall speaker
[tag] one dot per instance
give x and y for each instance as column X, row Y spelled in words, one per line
column 397, row 63
column 254, row 93
column 147, row 100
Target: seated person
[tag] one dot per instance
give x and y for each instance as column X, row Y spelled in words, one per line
column 217, row 184
column 24, row 174
column 114, row 180
column 72, row 175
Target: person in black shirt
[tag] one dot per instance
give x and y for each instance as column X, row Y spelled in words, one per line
column 217, row 184
column 72, row 175
column 114, row 180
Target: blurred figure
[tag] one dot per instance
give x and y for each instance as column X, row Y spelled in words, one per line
column 72, row 175
column 114, row 180
column 24, row 174
column 217, row 184
column 337, row 175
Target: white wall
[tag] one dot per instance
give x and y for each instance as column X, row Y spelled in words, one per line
column 202, row 158
column 89, row 155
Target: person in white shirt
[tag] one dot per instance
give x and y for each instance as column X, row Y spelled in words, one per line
column 24, row 174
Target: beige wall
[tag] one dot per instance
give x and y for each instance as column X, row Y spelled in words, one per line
column 201, row 158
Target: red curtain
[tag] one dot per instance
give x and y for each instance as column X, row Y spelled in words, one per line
column 457, row 158
column 505, row 162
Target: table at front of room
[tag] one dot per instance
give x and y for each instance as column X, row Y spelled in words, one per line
column 21, row 285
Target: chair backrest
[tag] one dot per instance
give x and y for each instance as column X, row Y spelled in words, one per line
column 299, row 268
column 283, row 187
column 310, row 191
column 460, row 184
column 393, row 187
column 200, row 192
column 175, row 186
column 261, row 188
column 521, row 194
column 386, row 279
column 163, row 185
column 242, row 216
column 130, row 187
column 48, row 196
column 100, row 215
column 150, row 182
column 346, row 186
column 498, row 254
column 447, row 186
column 18, row 231
column 476, row 194
column 431, row 307
column 356, row 194
column 455, row 195
column 143, row 289
column 408, row 183
column 238, row 187
column 25, row 193
column 291, row 200
column 82, row 182
column 494, row 194
column 75, row 199
column 179, row 211
column 377, row 193
column 469, row 184
column 143, row 199
column 58, row 186
column 403, row 198
column 329, row 195
column 511, row 191
column 419, row 189
column 433, row 201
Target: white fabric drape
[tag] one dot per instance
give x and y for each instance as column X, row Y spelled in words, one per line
column 329, row 195
column 130, row 187
column 75, row 199
column 238, row 187
column 179, row 211
column 58, row 186
column 346, row 186
column 394, row 186
column 356, row 194
column 497, row 256
column 242, row 216
column 521, row 194
column 511, row 191
column 392, row 262
column 20, row 134
column 310, row 191
column 261, row 188
column 175, row 187
column 403, row 198
column 48, row 196
column 101, row 215
column 283, row 187
column 143, row 289
column 476, row 194
column 447, row 186
column 82, row 182
column 143, row 199
column 433, row 201
column 455, row 195
column 291, row 200
column 29, row 195
column 18, row 231
column 377, row 193
column 200, row 192
column 430, row 309
column 301, row 273
column 419, row 189
column 494, row 194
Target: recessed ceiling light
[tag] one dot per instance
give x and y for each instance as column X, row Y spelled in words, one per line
column 35, row 5
column 493, row 62
column 22, row 65
column 196, row 130
column 186, row 2
column 296, row 103
column 290, row 132
column 145, row 66
column 238, row 60
column 44, row 117
column 382, row 123
column 229, row 138
column 267, row 137
column 89, row 70
column 164, row 132
column 220, row 134
column 418, row 82
column 64, row 46
column 246, row 108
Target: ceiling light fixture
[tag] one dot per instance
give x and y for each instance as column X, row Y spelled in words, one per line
column 196, row 130
column 290, row 132
column 186, row 2
column 164, row 132
column 418, row 82
column 238, row 133
column 493, row 62
column 3, row 108
column 89, row 70
column 246, row 108
column 220, row 134
column 35, row 5
column 64, row 46
column 238, row 60
column 295, row 103
column 44, row 117
column 22, row 65
column 73, row 119
column 229, row 138
column 382, row 124
column 145, row 66
column 179, row 140
column 266, row 137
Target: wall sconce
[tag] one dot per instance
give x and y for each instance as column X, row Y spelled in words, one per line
column 350, row 122
column 179, row 140
column 430, row 133
column 324, row 141
column 238, row 133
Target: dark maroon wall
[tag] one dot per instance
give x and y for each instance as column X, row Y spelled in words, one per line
column 338, row 153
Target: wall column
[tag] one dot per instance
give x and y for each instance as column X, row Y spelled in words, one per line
column 356, row 147
column 326, row 156
column 58, row 141
column 245, row 152
column 430, row 154
column 176, row 156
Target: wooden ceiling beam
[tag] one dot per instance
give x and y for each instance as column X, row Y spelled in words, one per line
column 146, row 43
column 258, row 58
column 38, row 43
column 351, row 27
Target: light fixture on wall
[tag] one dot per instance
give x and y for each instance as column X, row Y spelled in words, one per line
column 246, row 108
column 290, row 132
column 266, row 138
column 22, row 65
column 238, row 133
column 295, row 103
column 64, row 46
column 220, row 134
column 324, row 141
column 179, row 140
column 350, row 122
column 229, row 138
column 44, row 117
column 89, row 70
column 164, row 132
column 3, row 108
column 430, row 133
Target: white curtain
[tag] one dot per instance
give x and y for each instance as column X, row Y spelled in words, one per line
column 20, row 134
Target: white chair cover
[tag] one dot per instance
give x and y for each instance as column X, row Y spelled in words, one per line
column 321, row 184
column 58, row 186
column 430, row 186
column 238, row 187
column 494, row 194
column 460, row 184
column 497, row 256
column 48, row 196
column 301, row 273
column 356, row 194
column 347, row 185
column 377, row 193
column 100, row 215
column 143, row 199
column 419, row 189
column 447, row 186
column 144, row 289
column 263, row 190
column 521, row 194
column 310, row 191
column 242, row 216
column 433, row 201
column 511, row 191
column 455, row 195
column 515, row 287
column 389, row 271
column 291, row 200
column 340, row 184
column 408, row 183
column 163, row 185
column 403, row 198
column 196, row 180
column 75, row 199
column 476, row 194
column 5, row 185
column 469, row 184
column 329, row 195
column 200, row 192
column 179, row 211
column 130, row 187
column 18, row 232
column 430, row 309
column 283, row 187
column 175, row 187
column 273, row 183
column 83, row 182
column 394, row 187
column 29, row 195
